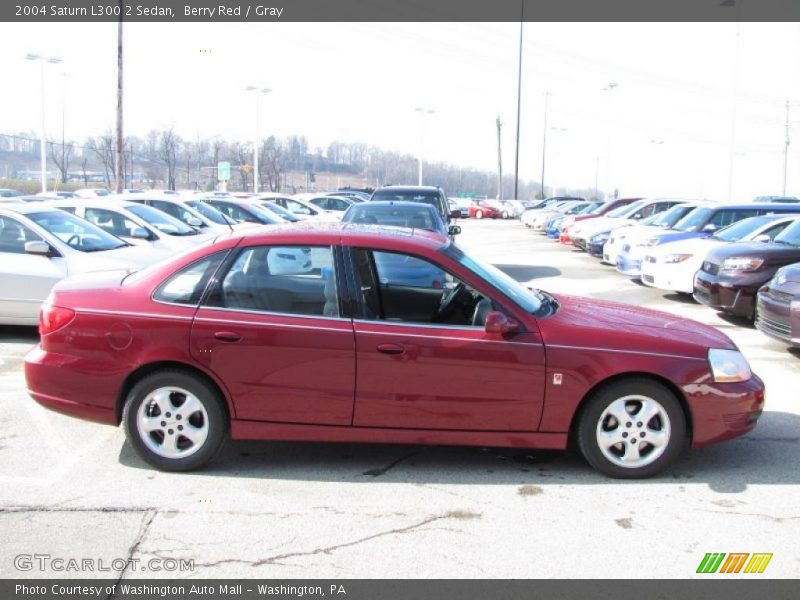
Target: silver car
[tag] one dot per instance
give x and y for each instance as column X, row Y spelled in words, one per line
column 41, row 245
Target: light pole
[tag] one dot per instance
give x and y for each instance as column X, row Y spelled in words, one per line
column 544, row 152
column 258, row 91
column 609, row 88
column 53, row 60
column 422, row 112
column 544, row 138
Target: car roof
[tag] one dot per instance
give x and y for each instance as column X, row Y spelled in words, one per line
column 398, row 203
column 106, row 202
column 408, row 188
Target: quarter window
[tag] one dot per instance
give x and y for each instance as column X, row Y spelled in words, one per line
column 285, row 279
column 187, row 285
column 13, row 236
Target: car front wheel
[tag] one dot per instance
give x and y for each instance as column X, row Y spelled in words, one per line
column 505, row 214
column 632, row 429
column 175, row 421
column 479, row 214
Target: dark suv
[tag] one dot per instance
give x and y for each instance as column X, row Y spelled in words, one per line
column 415, row 193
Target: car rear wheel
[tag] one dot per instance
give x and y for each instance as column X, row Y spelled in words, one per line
column 631, row 429
column 175, row 421
column 478, row 214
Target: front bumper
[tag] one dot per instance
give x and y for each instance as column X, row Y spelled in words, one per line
column 720, row 294
column 777, row 319
column 674, row 277
column 629, row 266
column 595, row 248
column 722, row 411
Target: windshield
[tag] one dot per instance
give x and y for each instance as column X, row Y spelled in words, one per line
column 668, row 218
column 278, row 210
column 790, row 235
column 591, row 209
column 416, row 217
column 209, row 212
column 623, row 211
column 161, row 221
column 735, row 232
column 527, row 299
column 75, row 232
column 694, row 221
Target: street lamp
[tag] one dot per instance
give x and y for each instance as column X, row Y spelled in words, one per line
column 258, row 91
column 53, row 60
column 422, row 112
column 609, row 88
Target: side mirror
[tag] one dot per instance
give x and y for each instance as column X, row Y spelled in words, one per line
column 194, row 222
column 39, row 248
column 710, row 228
column 455, row 213
column 497, row 322
column 140, row 233
column 764, row 238
column 454, row 229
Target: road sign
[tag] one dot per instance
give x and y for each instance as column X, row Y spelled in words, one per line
column 223, row 171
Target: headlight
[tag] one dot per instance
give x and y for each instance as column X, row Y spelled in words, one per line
column 676, row 258
column 648, row 243
column 600, row 238
column 728, row 366
column 742, row 263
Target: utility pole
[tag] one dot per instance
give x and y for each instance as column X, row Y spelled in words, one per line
column 786, row 148
column 120, row 166
column 544, row 140
column 519, row 100
column 499, row 163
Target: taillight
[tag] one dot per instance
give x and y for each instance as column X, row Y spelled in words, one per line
column 52, row 318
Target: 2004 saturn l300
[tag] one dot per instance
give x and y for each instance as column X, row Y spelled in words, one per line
column 236, row 340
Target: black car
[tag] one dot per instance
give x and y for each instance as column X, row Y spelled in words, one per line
column 416, row 193
column 400, row 214
column 732, row 274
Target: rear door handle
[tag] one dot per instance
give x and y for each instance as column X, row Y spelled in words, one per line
column 227, row 336
column 391, row 349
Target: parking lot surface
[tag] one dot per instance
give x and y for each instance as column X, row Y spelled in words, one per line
column 72, row 489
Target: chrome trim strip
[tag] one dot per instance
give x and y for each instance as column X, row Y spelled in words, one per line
column 456, row 339
column 624, row 351
column 423, row 325
column 348, row 331
column 124, row 313
column 249, row 311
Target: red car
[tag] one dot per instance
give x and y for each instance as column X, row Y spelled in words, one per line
column 482, row 210
column 238, row 339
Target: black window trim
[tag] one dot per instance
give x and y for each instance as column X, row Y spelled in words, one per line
column 209, row 279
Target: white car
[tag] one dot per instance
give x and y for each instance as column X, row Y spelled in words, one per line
column 672, row 266
column 538, row 219
column 299, row 207
column 592, row 234
column 92, row 193
column 194, row 212
column 41, row 245
column 631, row 236
column 135, row 223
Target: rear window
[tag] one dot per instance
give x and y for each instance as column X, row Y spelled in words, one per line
column 431, row 198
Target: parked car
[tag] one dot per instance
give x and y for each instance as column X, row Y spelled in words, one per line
column 201, row 216
column 778, row 306
column 623, row 240
column 731, row 275
column 416, row 193
column 92, row 193
column 355, row 195
column 333, row 349
column 41, row 245
column 400, row 214
column 461, row 205
column 603, row 210
column 592, row 235
column 673, row 266
column 9, row 193
column 555, row 223
column 538, row 219
column 485, row 209
column 302, row 209
column 700, row 222
column 245, row 211
column 334, row 205
column 135, row 223
column 56, row 194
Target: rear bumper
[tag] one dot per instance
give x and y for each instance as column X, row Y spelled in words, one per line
column 55, row 381
column 722, row 411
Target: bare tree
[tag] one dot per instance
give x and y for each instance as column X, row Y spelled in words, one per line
column 61, row 158
column 272, row 163
column 103, row 148
column 168, row 149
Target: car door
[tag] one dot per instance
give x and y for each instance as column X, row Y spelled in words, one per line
column 416, row 373
column 271, row 330
column 25, row 279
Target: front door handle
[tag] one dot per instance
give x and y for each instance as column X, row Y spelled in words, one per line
column 227, row 336
column 391, row 349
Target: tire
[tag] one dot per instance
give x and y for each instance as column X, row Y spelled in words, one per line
column 164, row 442
column 478, row 214
column 597, row 423
column 505, row 214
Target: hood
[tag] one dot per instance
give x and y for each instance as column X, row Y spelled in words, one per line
column 771, row 251
column 792, row 273
column 129, row 257
column 668, row 236
column 692, row 246
column 618, row 326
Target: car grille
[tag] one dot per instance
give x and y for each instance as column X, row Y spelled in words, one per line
column 710, row 267
column 775, row 328
column 782, row 297
column 648, row 278
column 650, row 259
column 626, row 248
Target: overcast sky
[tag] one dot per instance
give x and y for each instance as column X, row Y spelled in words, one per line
column 665, row 129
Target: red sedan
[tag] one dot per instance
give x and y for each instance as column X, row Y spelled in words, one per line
column 482, row 210
column 321, row 333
